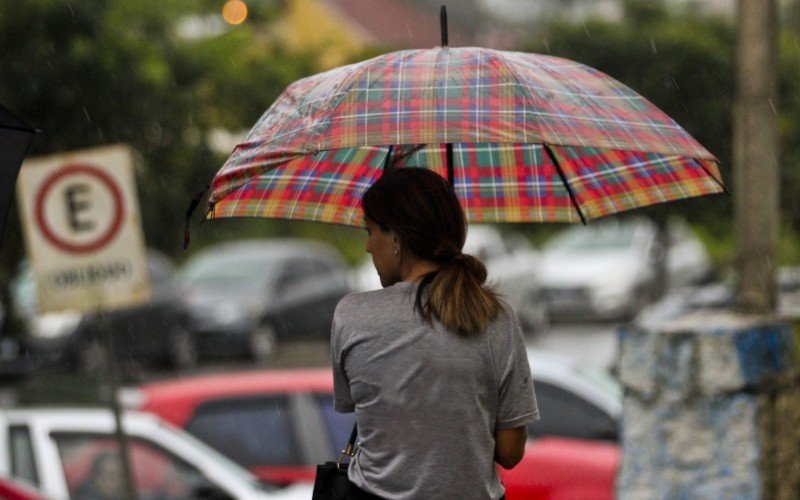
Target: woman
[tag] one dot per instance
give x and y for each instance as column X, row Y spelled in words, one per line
column 433, row 364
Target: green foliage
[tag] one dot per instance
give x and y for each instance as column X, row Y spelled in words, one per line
column 104, row 71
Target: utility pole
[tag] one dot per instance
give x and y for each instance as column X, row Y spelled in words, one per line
column 755, row 155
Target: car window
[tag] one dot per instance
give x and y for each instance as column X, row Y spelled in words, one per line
column 338, row 425
column 565, row 414
column 23, row 460
column 293, row 272
column 93, row 469
column 221, row 271
column 249, row 431
column 599, row 238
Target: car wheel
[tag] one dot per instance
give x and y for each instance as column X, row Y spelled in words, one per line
column 182, row 350
column 92, row 356
column 263, row 342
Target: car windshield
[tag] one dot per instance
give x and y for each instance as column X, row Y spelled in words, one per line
column 602, row 238
column 229, row 271
column 603, row 381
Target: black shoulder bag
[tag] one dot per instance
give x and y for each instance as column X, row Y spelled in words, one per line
column 331, row 482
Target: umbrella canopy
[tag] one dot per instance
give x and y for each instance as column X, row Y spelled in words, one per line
column 532, row 138
column 15, row 136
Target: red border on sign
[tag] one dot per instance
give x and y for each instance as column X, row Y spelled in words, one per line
column 104, row 238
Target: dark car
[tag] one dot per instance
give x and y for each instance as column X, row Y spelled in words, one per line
column 155, row 333
column 245, row 296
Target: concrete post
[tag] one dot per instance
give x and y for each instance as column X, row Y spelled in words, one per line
column 711, row 410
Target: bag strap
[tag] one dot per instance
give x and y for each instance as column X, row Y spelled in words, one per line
column 349, row 450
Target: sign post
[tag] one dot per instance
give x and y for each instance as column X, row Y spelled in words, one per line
column 83, row 238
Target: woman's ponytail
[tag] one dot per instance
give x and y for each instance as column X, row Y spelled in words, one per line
column 458, row 296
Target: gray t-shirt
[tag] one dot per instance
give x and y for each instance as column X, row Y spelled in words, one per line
column 427, row 401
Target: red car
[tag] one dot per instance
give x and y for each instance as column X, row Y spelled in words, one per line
column 280, row 424
column 11, row 489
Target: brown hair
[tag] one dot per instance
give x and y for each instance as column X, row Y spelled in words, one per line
column 421, row 207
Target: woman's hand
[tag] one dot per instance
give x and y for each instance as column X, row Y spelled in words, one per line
column 510, row 446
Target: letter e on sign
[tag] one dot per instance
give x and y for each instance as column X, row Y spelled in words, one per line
column 83, row 230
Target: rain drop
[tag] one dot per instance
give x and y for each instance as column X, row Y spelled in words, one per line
column 547, row 45
column 585, row 28
column 772, row 105
column 87, row 114
column 653, row 46
column 69, row 5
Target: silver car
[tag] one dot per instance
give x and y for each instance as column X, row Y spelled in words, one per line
column 612, row 268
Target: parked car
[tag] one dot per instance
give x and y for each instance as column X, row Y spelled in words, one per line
column 610, row 269
column 575, row 440
column 279, row 424
column 788, row 281
column 155, row 332
column 62, row 450
column 11, row 489
column 246, row 296
column 512, row 264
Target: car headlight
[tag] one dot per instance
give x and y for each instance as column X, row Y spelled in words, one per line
column 612, row 292
column 54, row 325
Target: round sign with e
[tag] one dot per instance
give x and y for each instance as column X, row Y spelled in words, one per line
column 79, row 208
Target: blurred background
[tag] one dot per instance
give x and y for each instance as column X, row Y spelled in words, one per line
column 182, row 82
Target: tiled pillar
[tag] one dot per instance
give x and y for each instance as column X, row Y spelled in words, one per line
column 711, row 410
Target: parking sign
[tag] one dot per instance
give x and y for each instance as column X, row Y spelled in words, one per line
column 83, row 231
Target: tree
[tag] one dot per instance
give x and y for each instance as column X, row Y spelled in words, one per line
column 756, row 154
column 103, row 71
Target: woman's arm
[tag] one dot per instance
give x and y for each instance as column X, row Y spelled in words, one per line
column 510, row 446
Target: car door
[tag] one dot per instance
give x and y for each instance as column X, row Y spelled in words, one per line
column 92, row 469
column 565, row 414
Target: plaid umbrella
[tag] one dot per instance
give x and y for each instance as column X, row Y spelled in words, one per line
column 522, row 138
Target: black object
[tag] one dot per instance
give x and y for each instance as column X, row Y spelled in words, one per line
column 331, row 482
column 15, row 136
column 443, row 21
column 188, row 217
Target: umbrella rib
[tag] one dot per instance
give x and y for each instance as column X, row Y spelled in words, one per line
column 561, row 174
column 387, row 162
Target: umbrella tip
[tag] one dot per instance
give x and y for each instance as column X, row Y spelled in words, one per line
column 443, row 21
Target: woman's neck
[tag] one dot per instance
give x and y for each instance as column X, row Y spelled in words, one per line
column 414, row 271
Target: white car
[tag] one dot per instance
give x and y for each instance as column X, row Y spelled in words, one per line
column 610, row 269
column 67, row 452
column 574, row 401
column 511, row 262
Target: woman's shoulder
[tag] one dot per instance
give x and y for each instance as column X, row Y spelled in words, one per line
column 384, row 299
